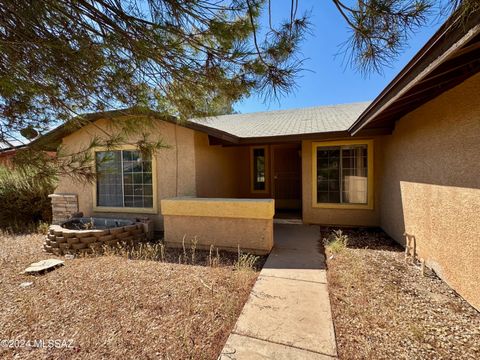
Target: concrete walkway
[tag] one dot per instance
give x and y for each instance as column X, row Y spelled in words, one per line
column 287, row 315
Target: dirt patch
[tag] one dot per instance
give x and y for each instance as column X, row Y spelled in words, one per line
column 113, row 307
column 384, row 308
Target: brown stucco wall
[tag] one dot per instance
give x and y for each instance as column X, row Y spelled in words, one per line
column 343, row 217
column 431, row 185
column 175, row 166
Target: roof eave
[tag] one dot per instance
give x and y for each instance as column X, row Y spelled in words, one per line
column 451, row 36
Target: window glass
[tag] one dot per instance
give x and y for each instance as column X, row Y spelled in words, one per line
column 124, row 179
column 354, row 175
column 259, row 181
column 342, row 173
column 328, row 172
column 109, row 178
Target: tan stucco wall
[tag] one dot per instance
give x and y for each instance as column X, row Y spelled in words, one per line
column 218, row 169
column 175, row 166
column 223, row 171
column 338, row 216
column 431, row 185
column 224, row 223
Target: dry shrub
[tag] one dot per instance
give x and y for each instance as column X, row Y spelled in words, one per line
column 24, row 195
column 336, row 242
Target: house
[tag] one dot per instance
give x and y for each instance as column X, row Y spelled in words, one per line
column 8, row 151
column 407, row 162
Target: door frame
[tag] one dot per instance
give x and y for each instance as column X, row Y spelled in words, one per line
column 297, row 146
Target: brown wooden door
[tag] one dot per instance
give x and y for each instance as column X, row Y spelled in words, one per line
column 287, row 178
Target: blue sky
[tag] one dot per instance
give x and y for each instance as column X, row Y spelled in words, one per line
column 329, row 80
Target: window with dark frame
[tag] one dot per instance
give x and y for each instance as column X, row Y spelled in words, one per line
column 124, row 179
column 342, row 174
column 259, row 175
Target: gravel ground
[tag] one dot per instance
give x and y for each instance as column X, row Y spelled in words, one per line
column 113, row 307
column 384, row 308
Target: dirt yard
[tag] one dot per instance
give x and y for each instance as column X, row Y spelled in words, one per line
column 385, row 309
column 113, row 307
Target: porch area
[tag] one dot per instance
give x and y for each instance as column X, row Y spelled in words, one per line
column 253, row 171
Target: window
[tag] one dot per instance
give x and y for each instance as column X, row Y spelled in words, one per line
column 259, row 169
column 343, row 174
column 124, row 179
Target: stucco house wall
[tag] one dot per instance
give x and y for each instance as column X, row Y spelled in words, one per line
column 338, row 216
column 224, row 171
column 217, row 169
column 175, row 168
column 431, row 185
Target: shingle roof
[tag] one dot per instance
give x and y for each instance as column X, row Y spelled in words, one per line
column 318, row 119
column 12, row 144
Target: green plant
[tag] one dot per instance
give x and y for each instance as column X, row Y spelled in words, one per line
column 336, row 242
column 24, row 195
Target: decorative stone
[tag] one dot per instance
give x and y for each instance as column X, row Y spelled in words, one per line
column 79, row 246
column 106, row 238
column 130, row 227
column 73, row 240
column 63, row 206
column 88, row 240
column 100, row 233
column 116, row 231
column 42, row 266
column 123, row 235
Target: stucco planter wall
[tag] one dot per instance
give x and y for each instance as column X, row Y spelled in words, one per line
column 227, row 224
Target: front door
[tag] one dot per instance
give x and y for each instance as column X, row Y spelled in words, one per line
column 287, row 176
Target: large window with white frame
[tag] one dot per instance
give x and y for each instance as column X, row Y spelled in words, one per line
column 124, row 179
column 343, row 173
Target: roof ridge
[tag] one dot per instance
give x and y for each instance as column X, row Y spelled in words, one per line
column 285, row 110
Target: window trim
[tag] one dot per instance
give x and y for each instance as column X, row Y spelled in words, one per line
column 267, row 171
column 137, row 210
column 370, row 178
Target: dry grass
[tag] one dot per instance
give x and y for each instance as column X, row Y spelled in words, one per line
column 114, row 307
column 385, row 309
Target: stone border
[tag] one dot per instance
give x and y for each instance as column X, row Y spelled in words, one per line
column 63, row 206
column 61, row 241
